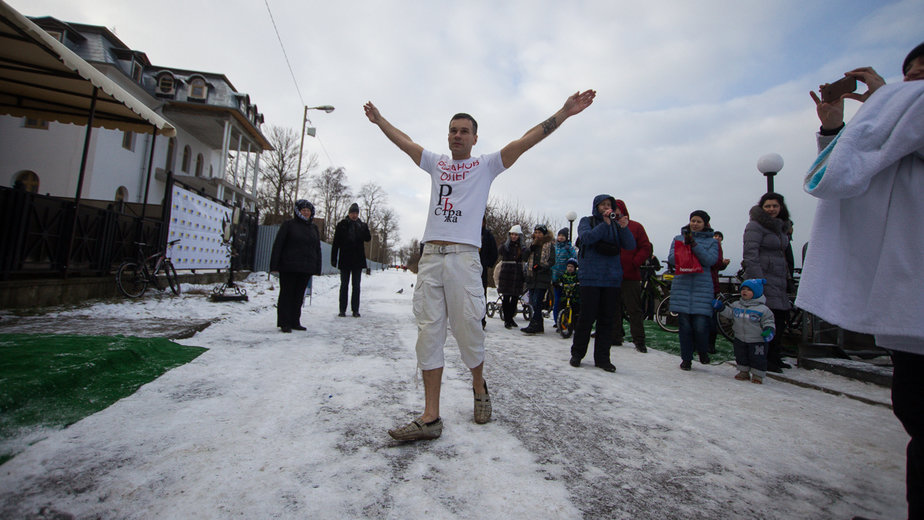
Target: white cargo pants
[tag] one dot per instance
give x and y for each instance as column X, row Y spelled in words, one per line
column 449, row 288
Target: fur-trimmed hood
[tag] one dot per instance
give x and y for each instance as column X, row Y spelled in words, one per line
column 777, row 225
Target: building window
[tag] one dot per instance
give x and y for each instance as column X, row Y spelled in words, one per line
column 199, row 165
column 26, row 180
column 198, row 89
column 186, row 158
column 137, row 70
column 40, row 124
column 171, row 154
column 166, row 84
column 128, row 140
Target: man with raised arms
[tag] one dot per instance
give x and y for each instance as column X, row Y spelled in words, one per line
column 448, row 289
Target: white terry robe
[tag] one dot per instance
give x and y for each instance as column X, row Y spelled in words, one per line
column 863, row 271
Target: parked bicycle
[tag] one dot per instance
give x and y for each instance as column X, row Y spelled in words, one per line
column 134, row 276
column 568, row 314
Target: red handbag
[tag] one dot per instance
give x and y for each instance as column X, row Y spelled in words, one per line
column 685, row 262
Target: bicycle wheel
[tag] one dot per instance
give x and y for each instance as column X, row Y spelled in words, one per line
column 491, row 308
column 666, row 319
column 565, row 322
column 527, row 312
column 131, row 279
column 724, row 325
column 172, row 280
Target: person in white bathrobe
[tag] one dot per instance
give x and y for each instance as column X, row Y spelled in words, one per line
column 863, row 267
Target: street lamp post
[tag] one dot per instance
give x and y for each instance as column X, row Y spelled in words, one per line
column 770, row 164
column 312, row 131
column 571, row 216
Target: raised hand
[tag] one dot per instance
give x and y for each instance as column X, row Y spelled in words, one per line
column 372, row 112
column 578, row 101
column 870, row 77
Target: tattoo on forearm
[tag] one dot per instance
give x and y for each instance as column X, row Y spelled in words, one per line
column 549, row 125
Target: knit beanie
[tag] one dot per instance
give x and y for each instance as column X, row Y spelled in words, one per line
column 301, row 204
column 354, row 208
column 542, row 229
column 756, row 285
column 564, row 231
column 701, row 214
column 915, row 52
column 516, row 229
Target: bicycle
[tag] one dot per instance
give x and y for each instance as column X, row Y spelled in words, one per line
column 654, row 289
column 567, row 315
column 134, row 276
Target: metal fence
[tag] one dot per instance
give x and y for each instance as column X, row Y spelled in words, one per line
column 43, row 236
column 264, row 248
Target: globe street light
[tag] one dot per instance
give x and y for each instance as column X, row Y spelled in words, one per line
column 770, row 164
column 311, row 131
column 571, row 216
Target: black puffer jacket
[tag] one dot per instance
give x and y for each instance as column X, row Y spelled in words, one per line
column 347, row 251
column 297, row 248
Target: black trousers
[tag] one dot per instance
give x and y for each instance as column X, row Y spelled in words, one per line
column 345, row 275
column 597, row 304
column 292, row 288
column 775, row 347
column 908, row 405
column 509, row 304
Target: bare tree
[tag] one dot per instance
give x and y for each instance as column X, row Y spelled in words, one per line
column 387, row 228
column 332, row 197
column 501, row 215
column 371, row 199
column 278, row 166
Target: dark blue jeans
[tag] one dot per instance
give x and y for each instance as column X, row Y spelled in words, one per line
column 752, row 355
column 556, row 307
column 536, row 297
column 694, row 334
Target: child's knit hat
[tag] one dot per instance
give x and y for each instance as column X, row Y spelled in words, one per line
column 564, row 231
column 756, row 285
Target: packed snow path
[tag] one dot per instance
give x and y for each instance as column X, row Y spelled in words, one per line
column 272, row 425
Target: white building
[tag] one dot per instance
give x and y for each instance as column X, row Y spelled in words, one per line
column 216, row 150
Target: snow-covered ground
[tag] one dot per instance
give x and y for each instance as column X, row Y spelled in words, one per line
column 272, row 425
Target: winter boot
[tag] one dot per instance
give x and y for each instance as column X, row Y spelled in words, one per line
column 640, row 346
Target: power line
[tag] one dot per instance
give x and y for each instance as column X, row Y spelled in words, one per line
column 292, row 72
column 286, row 56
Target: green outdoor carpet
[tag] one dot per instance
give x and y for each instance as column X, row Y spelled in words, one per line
column 49, row 381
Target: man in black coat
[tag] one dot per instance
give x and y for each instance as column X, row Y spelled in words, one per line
column 296, row 256
column 349, row 255
column 488, row 256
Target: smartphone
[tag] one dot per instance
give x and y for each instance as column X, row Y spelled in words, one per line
column 833, row 91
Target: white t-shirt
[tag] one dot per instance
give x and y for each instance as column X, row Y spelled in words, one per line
column 458, row 195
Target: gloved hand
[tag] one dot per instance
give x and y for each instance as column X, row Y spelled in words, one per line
column 767, row 334
column 718, row 304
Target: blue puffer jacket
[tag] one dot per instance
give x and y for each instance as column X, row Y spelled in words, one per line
column 692, row 293
column 599, row 270
column 564, row 251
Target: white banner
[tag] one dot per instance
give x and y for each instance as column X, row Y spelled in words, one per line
column 197, row 222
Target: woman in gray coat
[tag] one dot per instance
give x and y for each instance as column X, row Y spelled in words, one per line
column 766, row 241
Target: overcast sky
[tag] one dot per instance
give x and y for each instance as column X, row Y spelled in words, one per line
column 689, row 94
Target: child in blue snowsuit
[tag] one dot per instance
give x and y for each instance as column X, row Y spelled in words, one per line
column 752, row 322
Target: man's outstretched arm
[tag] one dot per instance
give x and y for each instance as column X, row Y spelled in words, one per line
column 405, row 143
column 573, row 105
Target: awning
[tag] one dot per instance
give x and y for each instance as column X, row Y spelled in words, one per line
column 41, row 78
